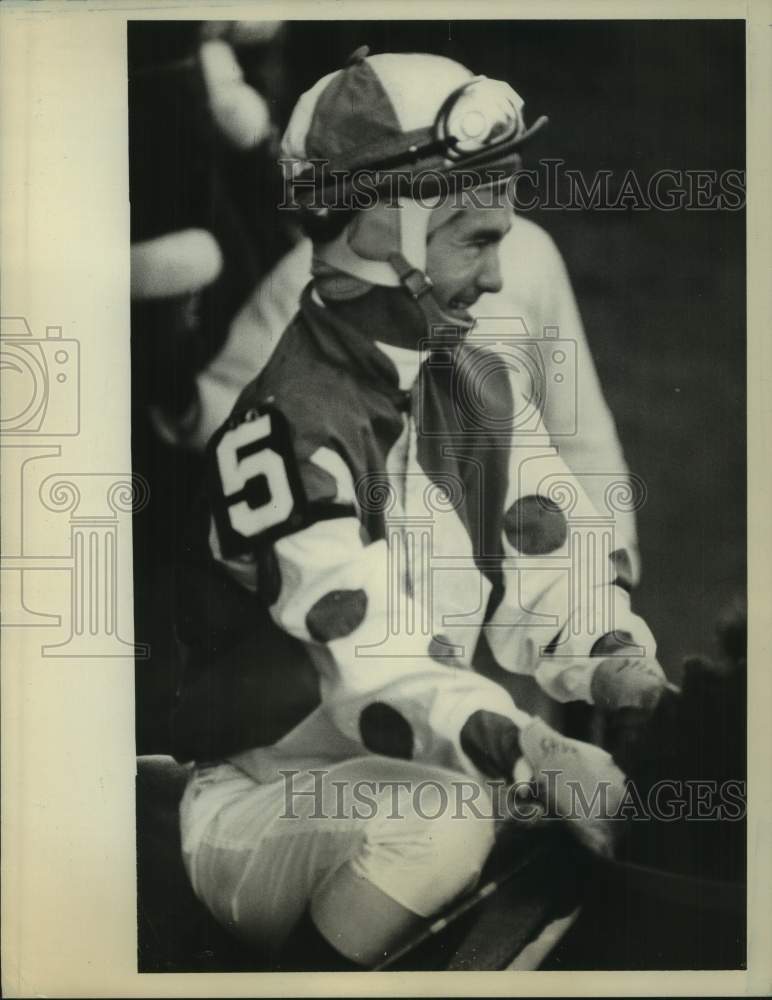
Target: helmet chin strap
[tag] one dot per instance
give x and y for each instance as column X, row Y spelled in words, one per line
column 419, row 287
column 409, row 262
column 387, row 246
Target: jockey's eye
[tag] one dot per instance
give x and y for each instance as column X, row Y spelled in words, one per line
column 486, row 237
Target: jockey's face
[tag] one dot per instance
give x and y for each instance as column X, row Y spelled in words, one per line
column 462, row 257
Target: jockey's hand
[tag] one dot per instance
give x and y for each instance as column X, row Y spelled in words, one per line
column 578, row 782
column 634, row 696
column 628, row 682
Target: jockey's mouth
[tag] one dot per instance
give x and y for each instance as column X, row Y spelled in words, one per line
column 459, row 308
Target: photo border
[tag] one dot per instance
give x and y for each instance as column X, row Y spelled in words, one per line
column 68, row 752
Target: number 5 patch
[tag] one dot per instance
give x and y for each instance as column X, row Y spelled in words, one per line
column 256, row 488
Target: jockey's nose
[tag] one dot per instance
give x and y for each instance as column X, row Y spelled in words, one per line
column 489, row 277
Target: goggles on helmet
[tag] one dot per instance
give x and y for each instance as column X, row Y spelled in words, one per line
column 481, row 115
column 480, row 123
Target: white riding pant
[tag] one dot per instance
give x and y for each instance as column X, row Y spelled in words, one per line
column 257, row 853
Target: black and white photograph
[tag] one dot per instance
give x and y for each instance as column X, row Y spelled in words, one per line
column 438, row 346
column 385, row 561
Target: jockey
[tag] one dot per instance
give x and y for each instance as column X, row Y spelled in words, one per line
column 386, row 514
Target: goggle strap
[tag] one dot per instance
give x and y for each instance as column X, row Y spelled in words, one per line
column 395, row 154
column 393, row 150
column 416, row 282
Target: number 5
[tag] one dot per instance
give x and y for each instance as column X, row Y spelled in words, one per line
column 237, row 473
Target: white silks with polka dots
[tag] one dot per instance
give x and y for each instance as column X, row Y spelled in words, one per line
column 392, row 624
